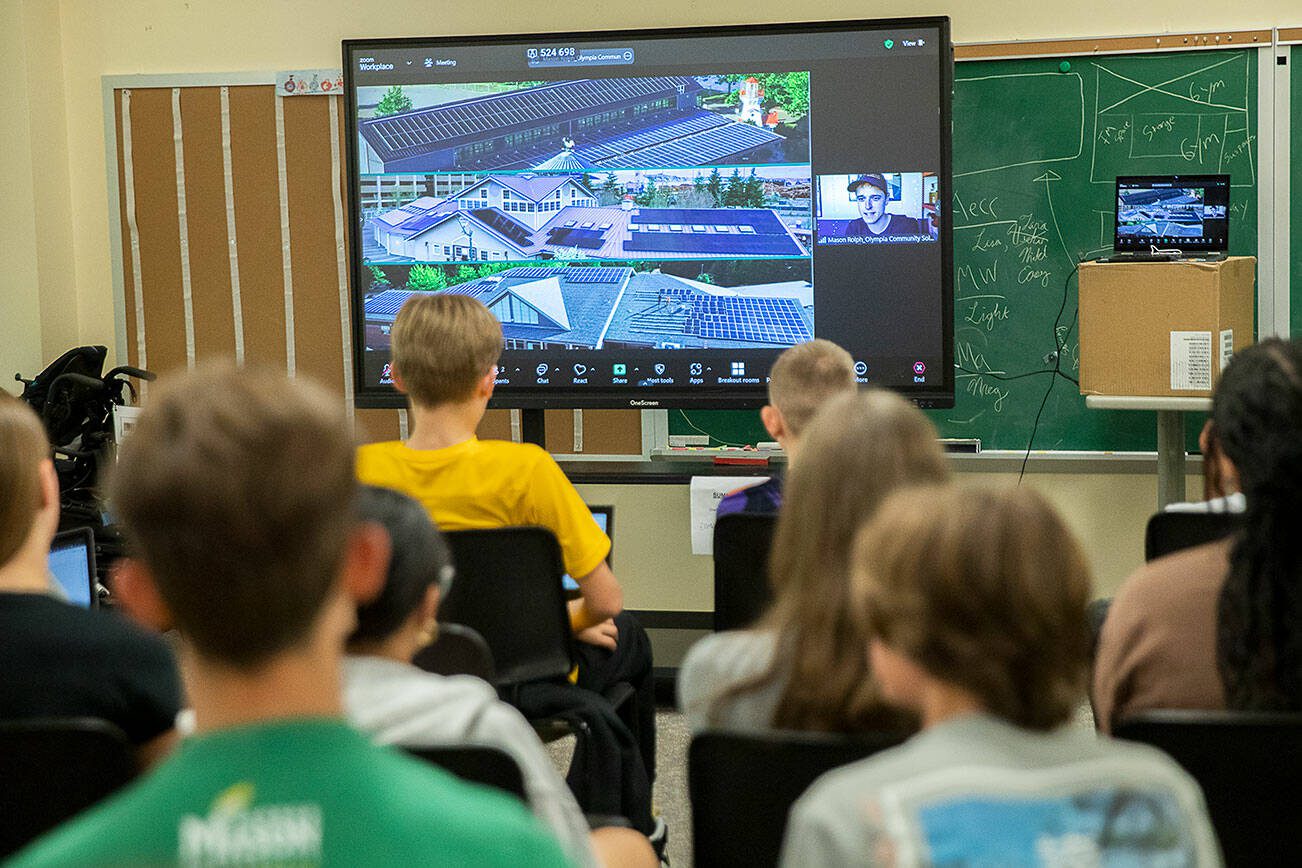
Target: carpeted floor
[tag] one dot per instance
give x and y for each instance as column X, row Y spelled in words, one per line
column 671, row 781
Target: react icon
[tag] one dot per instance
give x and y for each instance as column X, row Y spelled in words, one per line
column 580, row 370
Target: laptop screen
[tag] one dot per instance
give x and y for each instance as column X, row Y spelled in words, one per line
column 72, row 563
column 604, row 516
column 1189, row 213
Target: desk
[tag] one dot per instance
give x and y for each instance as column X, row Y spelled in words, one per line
column 1170, row 435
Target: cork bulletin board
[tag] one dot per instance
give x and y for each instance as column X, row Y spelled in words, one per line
column 230, row 243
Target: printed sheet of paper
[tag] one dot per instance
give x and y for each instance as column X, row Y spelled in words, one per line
column 706, row 492
column 1191, row 361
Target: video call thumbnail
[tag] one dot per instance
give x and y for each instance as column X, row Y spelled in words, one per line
column 878, row 208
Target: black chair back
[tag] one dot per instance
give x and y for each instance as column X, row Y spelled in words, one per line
column 477, row 764
column 1248, row 765
column 508, row 589
column 743, row 786
column 1169, row 532
column 457, row 650
column 741, row 568
column 53, row 769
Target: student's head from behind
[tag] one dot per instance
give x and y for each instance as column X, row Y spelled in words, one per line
column 859, row 447
column 29, row 492
column 869, row 194
column 235, row 492
column 978, row 593
column 445, row 349
column 804, row 378
column 1256, row 424
column 1256, row 417
column 420, row 571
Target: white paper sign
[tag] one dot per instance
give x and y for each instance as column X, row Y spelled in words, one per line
column 707, row 491
column 1191, row 361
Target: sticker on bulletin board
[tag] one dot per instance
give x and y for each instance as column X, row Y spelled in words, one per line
column 310, row 82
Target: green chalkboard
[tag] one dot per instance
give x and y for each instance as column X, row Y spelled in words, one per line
column 1036, row 153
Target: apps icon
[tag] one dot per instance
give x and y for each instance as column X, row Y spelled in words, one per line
column 542, row 369
column 620, row 370
column 739, row 369
column 695, row 369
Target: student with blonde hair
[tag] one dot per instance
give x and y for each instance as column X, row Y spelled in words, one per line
column 445, row 352
column 61, row 660
column 803, row 378
column 802, row 666
column 974, row 605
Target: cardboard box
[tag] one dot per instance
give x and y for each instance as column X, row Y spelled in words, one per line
column 1163, row 328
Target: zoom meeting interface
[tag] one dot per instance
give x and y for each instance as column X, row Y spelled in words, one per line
column 664, row 212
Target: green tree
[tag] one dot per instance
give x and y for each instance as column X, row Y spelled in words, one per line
column 378, row 277
column 426, row 278
column 698, row 185
column 714, row 186
column 467, row 273
column 753, row 191
column 394, row 101
column 734, row 191
column 705, row 277
column 788, row 90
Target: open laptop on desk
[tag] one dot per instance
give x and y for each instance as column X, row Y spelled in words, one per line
column 1171, row 217
column 604, row 516
column 72, row 563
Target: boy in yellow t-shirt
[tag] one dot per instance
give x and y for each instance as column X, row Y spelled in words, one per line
column 445, row 352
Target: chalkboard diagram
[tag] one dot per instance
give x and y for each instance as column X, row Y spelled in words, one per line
column 1037, row 148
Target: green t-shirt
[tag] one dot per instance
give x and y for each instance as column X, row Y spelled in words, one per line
column 302, row 792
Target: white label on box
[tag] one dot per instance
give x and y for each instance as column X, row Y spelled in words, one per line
column 1227, row 347
column 1191, row 361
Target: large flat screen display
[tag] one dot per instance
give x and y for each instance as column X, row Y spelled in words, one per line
column 655, row 215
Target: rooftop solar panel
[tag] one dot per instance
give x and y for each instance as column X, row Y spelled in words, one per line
column 514, row 230
column 587, row 239
column 385, row 305
column 762, row 219
column 755, row 245
column 419, row 224
column 435, row 126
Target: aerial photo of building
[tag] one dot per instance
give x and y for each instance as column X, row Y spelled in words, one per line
column 530, row 217
column 608, row 123
column 589, row 307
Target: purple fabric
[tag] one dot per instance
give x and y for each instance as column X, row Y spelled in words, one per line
column 765, row 498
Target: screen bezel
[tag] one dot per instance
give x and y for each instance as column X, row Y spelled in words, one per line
column 1188, row 180
column 938, row 395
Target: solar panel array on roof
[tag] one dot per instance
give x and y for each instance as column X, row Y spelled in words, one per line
column 742, row 318
column 515, row 231
column 482, row 117
column 419, row 224
column 701, row 148
column 586, row 239
column 385, row 305
column 696, row 242
column 654, row 135
column 762, row 219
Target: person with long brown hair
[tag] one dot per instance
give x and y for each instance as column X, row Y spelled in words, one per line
column 803, row 666
column 973, row 601
column 1217, row 625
